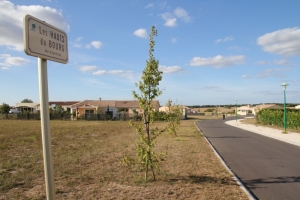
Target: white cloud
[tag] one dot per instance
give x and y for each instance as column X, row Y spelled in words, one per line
column 218, row 61
column 162, row 5
column 209, row 88
column 2, row 56
column 170, row 69
column 296, row 81
column 237, row 48
column 114, row 72
column 77, row 45
column 5, row 68
column 6, row 61
column 267, row 92
column 11, row 22
column 87, row 68
column 171, row 22
column 275, row 62
column 92, row 82
column 96, row 44
column 78, row 39
column 246, row 76
column 173, row 40
column 281, row 62
column 150, row 5
column 141, row 33
column 99, row 72
column 169, row 19
column 182, row 14
column 283, row 42
column 16, row 61
column 261, row 62
column 274, row 72
column 226, row 39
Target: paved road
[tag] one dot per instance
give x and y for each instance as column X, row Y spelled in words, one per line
column 269, row 168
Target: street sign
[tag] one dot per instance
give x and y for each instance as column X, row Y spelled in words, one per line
column 44, row 40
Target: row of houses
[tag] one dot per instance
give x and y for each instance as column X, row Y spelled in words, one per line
column 245, row 110
column 80, row 108
column 114, row 107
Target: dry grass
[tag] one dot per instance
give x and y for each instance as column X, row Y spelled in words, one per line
column 87, row 163
column 254, row 122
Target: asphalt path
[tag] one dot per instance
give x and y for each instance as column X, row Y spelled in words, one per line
column 269, row 168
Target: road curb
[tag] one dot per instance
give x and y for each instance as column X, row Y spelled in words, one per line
column 261, row 130
column 236, row 178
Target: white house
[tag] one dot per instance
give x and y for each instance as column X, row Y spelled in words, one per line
column 66, row 105
column 27, row 107
column 244, row 110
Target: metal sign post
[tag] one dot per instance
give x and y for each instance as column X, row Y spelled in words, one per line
column 46, row 42
column 45, row 124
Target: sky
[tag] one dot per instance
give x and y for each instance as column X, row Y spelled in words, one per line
column 210, row 52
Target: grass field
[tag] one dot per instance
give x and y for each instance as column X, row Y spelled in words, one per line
column 86, row 157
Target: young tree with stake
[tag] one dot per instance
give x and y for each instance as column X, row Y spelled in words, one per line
column 149, row 90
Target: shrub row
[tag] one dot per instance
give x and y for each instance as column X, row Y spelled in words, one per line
column 275, row 117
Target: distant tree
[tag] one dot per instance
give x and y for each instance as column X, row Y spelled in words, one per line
column 173, row 117
column 107, row 110
column 121, row 110
column 209, row 110
column 27, row 101
column 109, row 114
column 4, row 109
column 59, row 109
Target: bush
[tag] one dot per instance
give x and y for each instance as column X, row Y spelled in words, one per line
column 274, row 117
column 159, row 116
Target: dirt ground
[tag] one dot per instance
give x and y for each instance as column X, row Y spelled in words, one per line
column 87, row 163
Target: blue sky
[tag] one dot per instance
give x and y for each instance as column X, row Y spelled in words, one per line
column 211, row 52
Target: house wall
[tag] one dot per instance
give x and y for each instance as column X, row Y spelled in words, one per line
column 243, row 112
column 130, row 110
column 31, row 107
column 111, row 109
column 81, row 111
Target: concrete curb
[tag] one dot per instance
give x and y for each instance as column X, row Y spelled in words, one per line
column 291, row 137
column 236, row 178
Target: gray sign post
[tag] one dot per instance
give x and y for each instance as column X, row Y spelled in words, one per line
column 45, row 125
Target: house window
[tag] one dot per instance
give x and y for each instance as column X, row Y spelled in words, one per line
column 89, row 111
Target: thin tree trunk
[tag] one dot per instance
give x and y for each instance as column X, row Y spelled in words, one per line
column 153, row 173
column 146, row 172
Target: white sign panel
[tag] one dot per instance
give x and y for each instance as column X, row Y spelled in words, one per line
column 44, row 40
